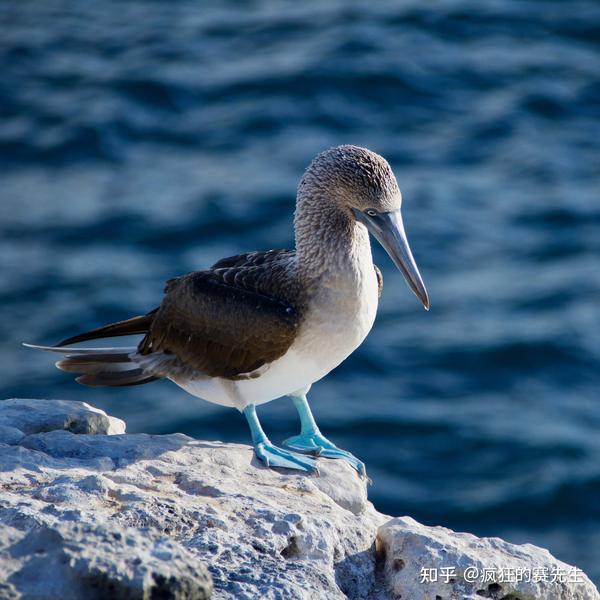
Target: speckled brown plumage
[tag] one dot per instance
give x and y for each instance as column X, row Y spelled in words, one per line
column 232, row 319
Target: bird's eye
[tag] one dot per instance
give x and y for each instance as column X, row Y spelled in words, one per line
column 371, row 212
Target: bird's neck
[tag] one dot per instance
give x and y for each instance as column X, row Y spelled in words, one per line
column 330, row 244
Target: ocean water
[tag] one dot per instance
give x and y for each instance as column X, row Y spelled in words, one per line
column 142, row 140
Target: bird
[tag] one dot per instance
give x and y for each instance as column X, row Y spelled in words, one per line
column 267, row 324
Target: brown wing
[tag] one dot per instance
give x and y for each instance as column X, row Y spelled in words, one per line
column 254, row 259
column 229, row 320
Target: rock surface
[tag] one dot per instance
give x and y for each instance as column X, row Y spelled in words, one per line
column 461, row 565
column 70, row 561
column 87, row 514
column 35, row 416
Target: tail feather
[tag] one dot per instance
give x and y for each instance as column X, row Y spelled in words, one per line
column 116, row 379
column 83, row 364
column 105, row 359
column 81, row 351
column 102, row 367
column 133, row 326
column 99, row 367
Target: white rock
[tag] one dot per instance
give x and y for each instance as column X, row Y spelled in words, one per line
column 415, row 555
column 72, row 562
column 10, row 435
column 33, row 416
column 186, row 503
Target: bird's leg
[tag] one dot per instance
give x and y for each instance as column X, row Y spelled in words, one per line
column 312, row 441
column 270, row 455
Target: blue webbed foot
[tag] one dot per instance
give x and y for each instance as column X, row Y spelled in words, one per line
column 272, row 456
column 318, row 445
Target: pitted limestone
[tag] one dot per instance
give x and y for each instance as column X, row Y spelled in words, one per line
column 185, row 503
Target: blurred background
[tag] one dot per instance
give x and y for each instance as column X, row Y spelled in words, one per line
column 142, row 140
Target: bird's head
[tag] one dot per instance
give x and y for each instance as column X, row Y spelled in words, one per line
column 363, row 186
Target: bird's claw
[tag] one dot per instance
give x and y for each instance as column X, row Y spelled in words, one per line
column 316, row 444
column 272, row 456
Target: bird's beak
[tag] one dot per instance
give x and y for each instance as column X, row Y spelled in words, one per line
column 388, row 229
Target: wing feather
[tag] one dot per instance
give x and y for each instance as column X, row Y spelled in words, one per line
column 232, row 319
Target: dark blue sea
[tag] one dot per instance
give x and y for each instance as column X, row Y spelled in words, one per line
column 142, row 140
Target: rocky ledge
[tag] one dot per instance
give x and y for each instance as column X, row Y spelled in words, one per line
column 88, row 511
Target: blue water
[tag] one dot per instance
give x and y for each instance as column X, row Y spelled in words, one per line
column 142, row 140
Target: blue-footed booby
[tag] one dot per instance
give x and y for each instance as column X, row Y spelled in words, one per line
column 262, row 325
